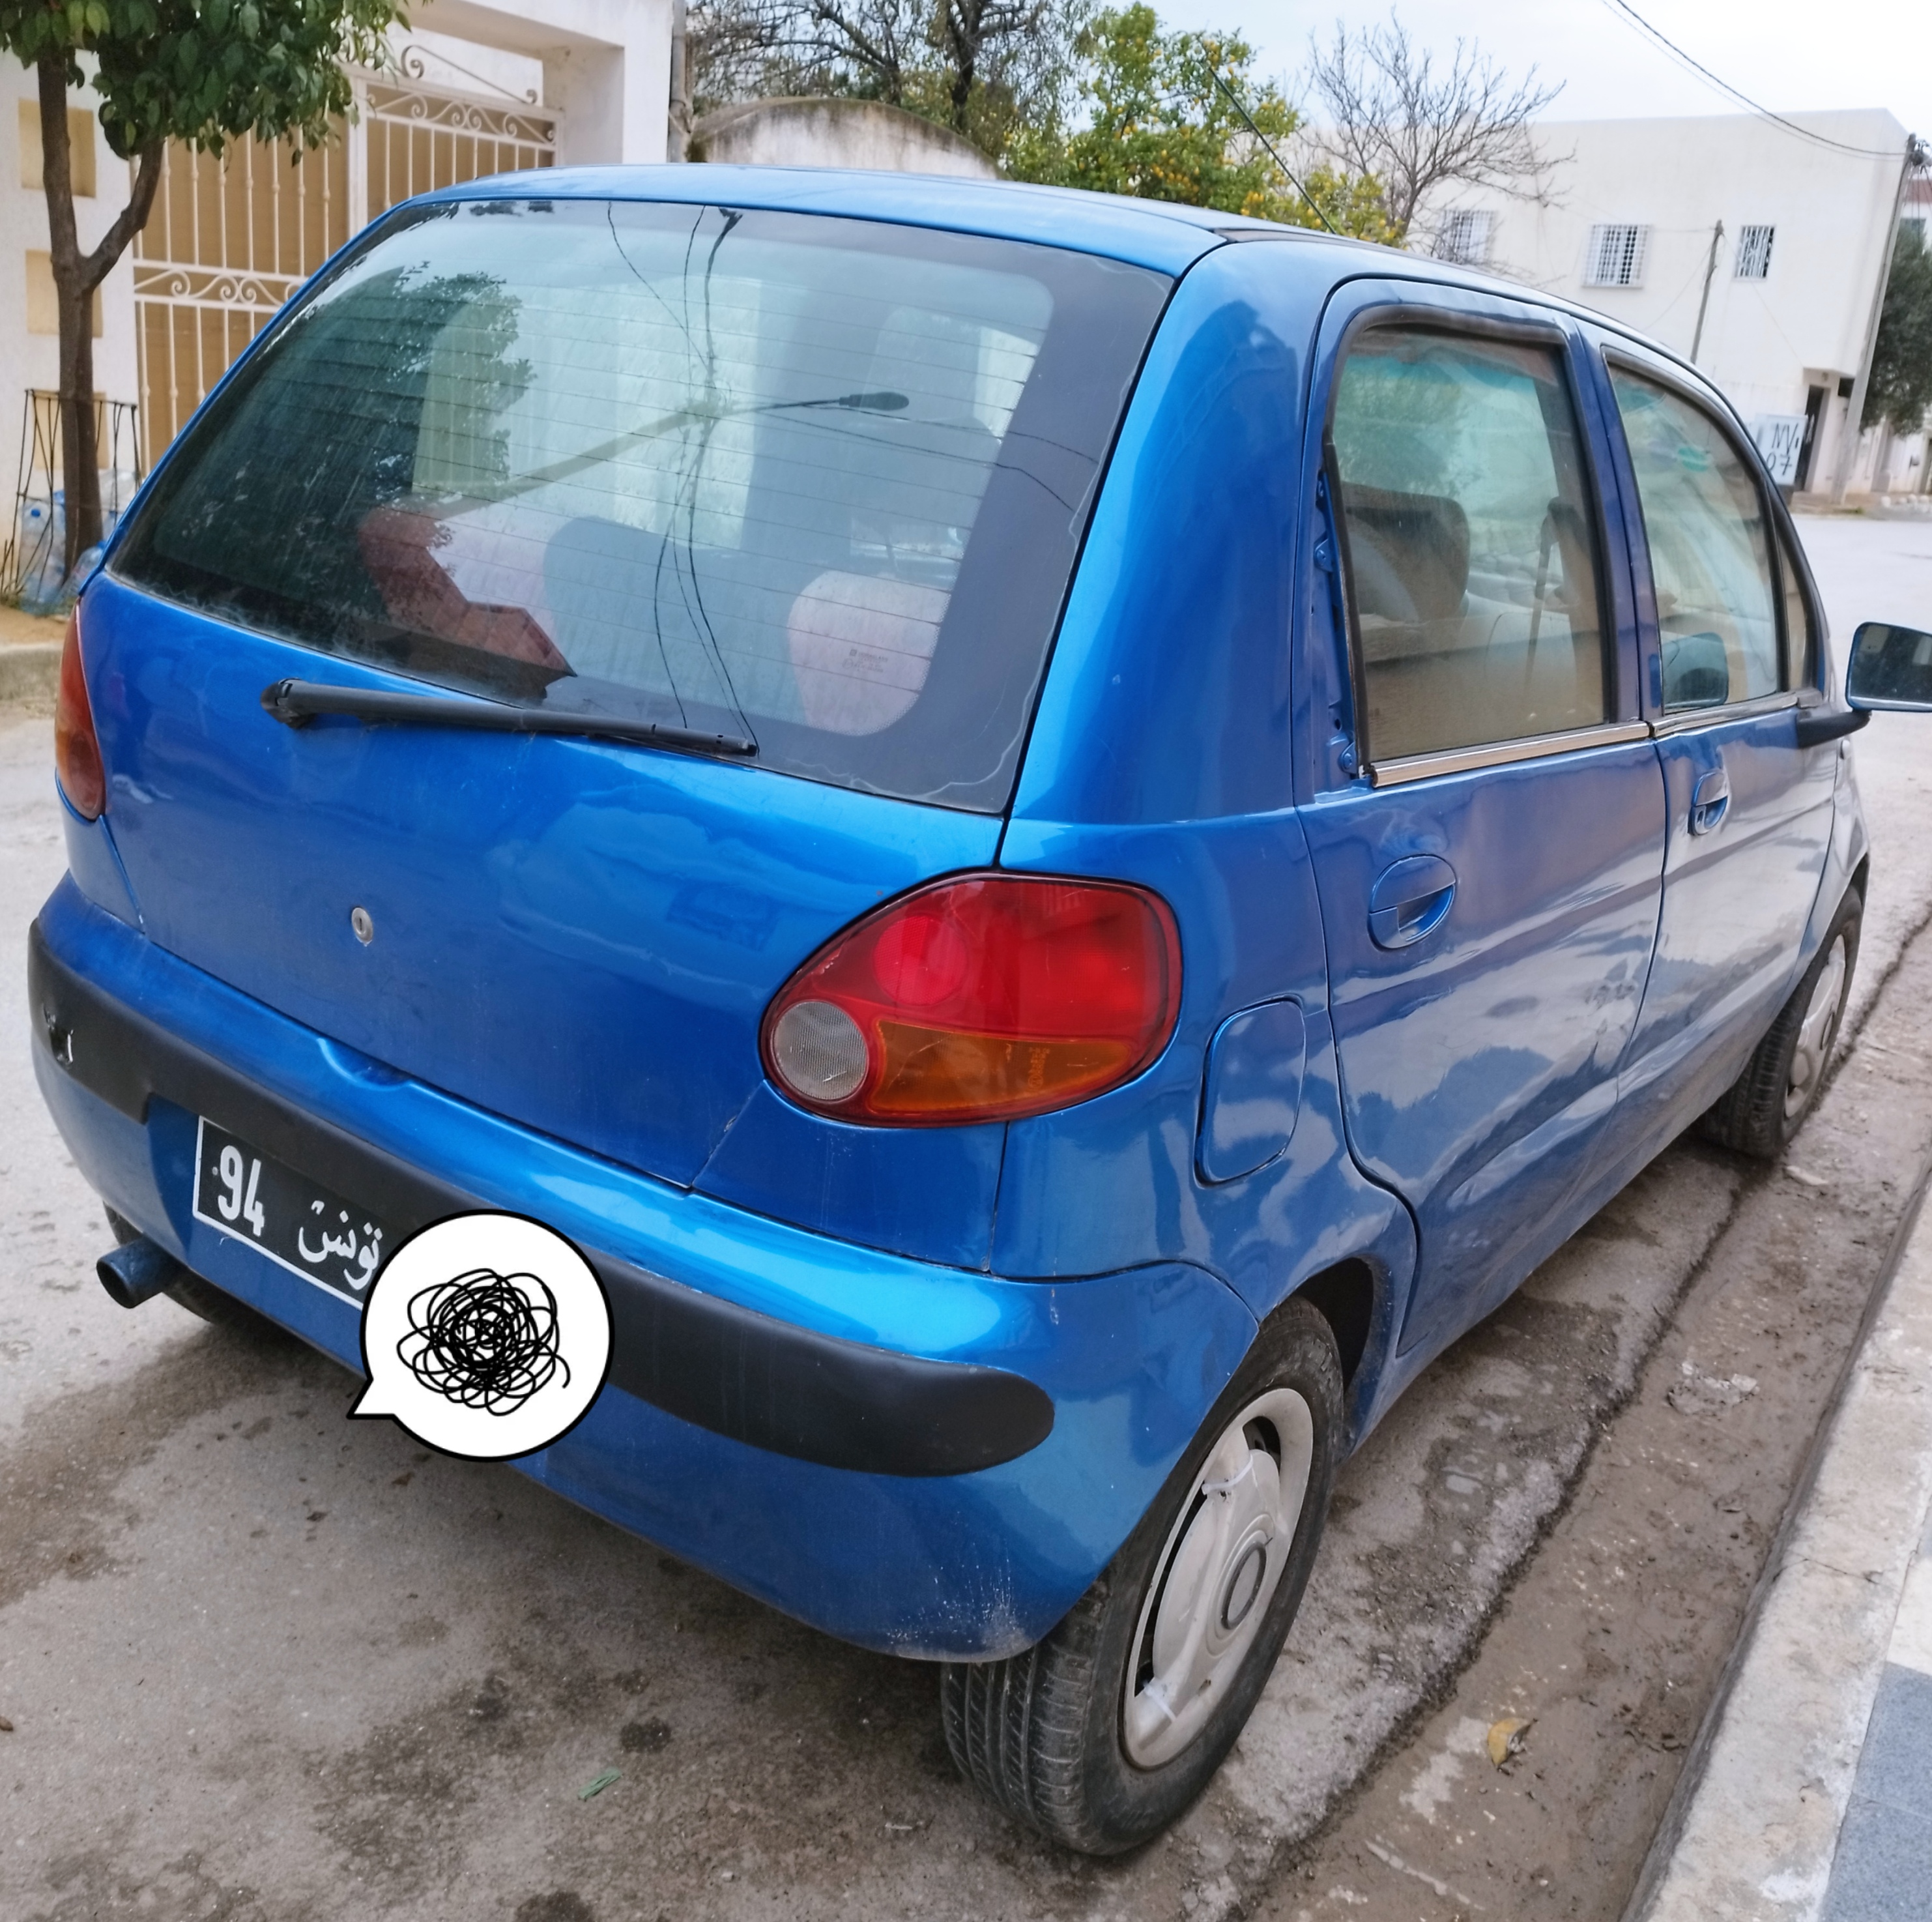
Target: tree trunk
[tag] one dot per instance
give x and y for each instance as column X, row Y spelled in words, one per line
column 76, row 275
column 964, row 29
column 80, row 471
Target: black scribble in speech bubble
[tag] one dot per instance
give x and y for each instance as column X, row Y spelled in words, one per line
column 484, row 1340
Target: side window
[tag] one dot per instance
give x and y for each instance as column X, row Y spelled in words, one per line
column 1472, row 557
column 1710, row 550
column 1800, row 638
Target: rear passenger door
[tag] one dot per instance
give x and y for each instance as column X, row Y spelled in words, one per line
column 1489, row 840
column 1731, row 651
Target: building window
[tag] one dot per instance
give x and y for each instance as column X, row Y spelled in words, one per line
column 1464, row 237
column 1754, row 252
column 1616, row 256
column 80, row 125
column 42, row 303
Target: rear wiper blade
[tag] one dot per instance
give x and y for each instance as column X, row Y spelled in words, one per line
column 296, row 703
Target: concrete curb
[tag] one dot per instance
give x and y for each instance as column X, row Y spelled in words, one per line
column 1751, row 1831
column 29, row 672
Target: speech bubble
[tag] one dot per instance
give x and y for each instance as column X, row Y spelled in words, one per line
column 485, row 1336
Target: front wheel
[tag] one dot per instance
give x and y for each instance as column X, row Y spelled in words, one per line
column 1099, row 1736
column 1765, row 1106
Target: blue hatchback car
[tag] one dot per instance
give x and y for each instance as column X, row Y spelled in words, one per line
column 1065, row 834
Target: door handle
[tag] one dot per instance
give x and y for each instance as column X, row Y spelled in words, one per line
column 1410, row 900
column 1710, row 801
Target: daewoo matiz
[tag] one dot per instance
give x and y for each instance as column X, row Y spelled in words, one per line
column 1065, row 834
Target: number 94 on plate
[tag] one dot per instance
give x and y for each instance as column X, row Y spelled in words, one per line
column 295, row 1222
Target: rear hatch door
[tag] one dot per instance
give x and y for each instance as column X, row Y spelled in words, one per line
column 815, row 485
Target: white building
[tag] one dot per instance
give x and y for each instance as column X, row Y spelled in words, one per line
column 1777, row 242
column 476, row 87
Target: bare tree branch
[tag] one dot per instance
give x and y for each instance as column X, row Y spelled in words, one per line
column 750, row 49
column 966, row 31
column 1389, row 111
column 980, row 66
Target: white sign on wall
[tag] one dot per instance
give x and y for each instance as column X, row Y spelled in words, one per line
column 1780, row 439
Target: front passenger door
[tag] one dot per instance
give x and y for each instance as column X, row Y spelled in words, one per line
column 1750, row 808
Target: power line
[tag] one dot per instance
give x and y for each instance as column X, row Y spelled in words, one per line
column 1697, row 66
column 1214, row 74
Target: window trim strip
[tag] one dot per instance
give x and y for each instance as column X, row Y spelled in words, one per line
column 1684, row 720
column 1501, row 754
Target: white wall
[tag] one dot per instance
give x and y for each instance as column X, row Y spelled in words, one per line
column 606, row 66
column 835, row 133
column 1764, row 342
column 33, row 360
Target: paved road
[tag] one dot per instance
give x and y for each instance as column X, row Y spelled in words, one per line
column 264, row 1664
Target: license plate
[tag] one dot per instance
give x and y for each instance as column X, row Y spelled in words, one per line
column 240, row 1191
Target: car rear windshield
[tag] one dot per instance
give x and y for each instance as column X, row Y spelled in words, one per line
column 816, row 481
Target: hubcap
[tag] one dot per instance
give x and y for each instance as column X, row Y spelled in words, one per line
column 1817, row 1031
column 1217, row 1575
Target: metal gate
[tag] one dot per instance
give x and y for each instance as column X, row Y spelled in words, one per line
column 230, row 239
column 417, row 141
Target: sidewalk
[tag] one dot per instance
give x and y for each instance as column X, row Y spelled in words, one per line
column 28, row 629
column 1808, row 1795
column 29, row 657
column 1883, row 1867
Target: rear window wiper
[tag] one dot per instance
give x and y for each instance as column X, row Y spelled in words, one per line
column 296, row 703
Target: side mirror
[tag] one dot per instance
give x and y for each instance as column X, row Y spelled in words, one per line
column 1890, row 667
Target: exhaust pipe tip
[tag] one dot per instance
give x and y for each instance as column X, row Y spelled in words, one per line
column 137, row 1270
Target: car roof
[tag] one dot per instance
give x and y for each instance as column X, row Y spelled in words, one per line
column 1160, row 234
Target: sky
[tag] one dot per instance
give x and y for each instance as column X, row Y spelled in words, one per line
column 1786, row 55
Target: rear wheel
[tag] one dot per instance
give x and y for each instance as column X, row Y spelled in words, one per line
column 1099, row 1736
column 199, row 1297
column 1766, row 1105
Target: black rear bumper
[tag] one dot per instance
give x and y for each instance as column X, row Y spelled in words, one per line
column 757, row 1379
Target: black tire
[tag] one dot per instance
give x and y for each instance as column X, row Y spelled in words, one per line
column 202, row 1298
column 1042, row 1735
column 1761, row 1111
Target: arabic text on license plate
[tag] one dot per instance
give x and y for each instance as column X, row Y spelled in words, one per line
column 290, row 1219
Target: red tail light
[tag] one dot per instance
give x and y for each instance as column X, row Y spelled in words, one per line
column 76, row 746
column 980, row 999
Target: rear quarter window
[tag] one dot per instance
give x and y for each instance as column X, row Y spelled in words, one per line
column 817, row 481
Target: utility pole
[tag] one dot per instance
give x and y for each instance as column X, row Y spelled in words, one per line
column 1703, row 305
column 677, row 132
column 1916, row 154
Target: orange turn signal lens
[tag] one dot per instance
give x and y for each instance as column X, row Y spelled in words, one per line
column 76, row 746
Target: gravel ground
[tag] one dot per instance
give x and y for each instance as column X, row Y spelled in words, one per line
column 319, row 1672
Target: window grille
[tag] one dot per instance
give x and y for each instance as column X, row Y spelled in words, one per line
column 1464, row 237
column 1754, row 252
column 1616, row 256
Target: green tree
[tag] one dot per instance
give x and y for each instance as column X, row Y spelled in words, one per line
column 1157, row 119
column 201, row 72
column 1901, row 390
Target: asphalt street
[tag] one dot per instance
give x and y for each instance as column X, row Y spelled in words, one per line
column 320, row 1673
